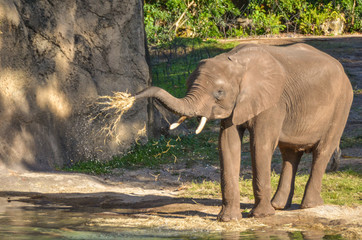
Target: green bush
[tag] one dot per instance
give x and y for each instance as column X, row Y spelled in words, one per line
column 167, row 19
column 265, row 21
column 352, row 10
column 155, row 19
column 312, row 18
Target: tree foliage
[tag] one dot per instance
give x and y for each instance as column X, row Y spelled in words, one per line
column 167, row 19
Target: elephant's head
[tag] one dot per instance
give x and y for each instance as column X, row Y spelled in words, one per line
column 237, row 85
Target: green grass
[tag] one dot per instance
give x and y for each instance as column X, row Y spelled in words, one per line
column 340, row 188
column 348, row 142
column 187, row 149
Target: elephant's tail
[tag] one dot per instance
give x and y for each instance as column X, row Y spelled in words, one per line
column 335, row 159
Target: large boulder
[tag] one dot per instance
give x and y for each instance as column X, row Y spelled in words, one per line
column 56, row 59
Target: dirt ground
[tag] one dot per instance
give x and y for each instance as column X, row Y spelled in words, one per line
column 150, row 198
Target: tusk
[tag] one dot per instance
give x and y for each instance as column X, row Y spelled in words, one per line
column 178, row 123
column 201, row 125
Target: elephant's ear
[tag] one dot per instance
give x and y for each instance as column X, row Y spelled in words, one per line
column 262, row 82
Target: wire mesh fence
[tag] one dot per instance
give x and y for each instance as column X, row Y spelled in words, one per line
column 173, row 63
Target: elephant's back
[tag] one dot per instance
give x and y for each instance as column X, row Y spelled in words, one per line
column 317, row 91
column 308, row 65
column 301, row 54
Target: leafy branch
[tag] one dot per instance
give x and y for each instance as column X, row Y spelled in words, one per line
column 177, row 24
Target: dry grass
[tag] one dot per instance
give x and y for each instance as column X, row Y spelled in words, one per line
column 175, row 223
column 183, row 218
column 115, row 106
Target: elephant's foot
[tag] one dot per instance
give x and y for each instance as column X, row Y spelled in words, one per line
column 262, row 210
column 280, row 205
column 310, row 202
column 281, row 202
column 227, row 215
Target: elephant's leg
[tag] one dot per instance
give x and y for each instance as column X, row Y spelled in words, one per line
column 323, row 152
column 284, row 194
column 312, row 197
column 261, row 155
column 230, row 154
column 264, row 136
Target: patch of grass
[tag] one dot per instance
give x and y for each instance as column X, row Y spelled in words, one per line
column 357, row 91
column 212, row 189
column 188, row 149
column 204, row 189
column 348, row 142
column 340, row 188
column 88, row 166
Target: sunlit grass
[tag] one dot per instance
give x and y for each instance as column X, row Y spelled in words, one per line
column 340, row 188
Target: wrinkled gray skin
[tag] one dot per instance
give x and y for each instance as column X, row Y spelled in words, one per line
column 295, row 97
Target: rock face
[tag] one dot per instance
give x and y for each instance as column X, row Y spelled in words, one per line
column 56, row 59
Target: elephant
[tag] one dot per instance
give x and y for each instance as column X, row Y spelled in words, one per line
column 295, row 97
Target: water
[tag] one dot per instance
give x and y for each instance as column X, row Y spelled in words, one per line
column 22, row 220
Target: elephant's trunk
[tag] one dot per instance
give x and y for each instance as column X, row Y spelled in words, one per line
column 182, row 106
column 185, row 107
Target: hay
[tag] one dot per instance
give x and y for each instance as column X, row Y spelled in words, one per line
column 120, row 102
column 115, row 105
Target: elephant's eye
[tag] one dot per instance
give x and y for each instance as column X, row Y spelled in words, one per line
column 219, row 94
